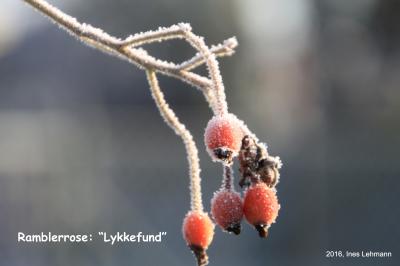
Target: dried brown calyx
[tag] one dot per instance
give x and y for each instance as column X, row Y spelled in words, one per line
column 200, row 254
column 256, row 164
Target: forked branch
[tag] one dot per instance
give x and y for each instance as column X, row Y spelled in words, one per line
column 129, row 49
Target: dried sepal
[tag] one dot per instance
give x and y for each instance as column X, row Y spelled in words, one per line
column 256, row 164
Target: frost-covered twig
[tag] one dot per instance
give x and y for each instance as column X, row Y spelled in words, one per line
column 225, row 49
column 213, row 69
column 159, row 35
column 227, row 180
column 127, row 49
column 180, row 129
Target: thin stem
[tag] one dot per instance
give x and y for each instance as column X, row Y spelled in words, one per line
column 161, row 34
column 172, row 120
column 225, row 49
column 248, row 132
column 227, row 180
column 213, row 69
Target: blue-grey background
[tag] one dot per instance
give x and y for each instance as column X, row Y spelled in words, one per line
column 83, row 148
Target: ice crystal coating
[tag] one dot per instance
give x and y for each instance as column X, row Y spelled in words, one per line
column 223, row 137
column 268, row 170
column 256, row 164
column 227, row 210
column 261, row 205
column 198, row 229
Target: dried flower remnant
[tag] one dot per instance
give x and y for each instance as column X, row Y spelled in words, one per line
column 268, row 169
column 248, row 159
column 256, row 163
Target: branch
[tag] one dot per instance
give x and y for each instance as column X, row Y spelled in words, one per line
column 180, row 129
column 213, row 69
column 161, row 34
column 225, row 49
column 227, row 180
column 125, row 49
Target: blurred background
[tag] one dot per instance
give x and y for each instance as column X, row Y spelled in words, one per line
column 83, row 148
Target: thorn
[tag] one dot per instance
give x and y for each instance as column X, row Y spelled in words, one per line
column 185, row 26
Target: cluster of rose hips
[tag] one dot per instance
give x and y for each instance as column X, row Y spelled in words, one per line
column 226, row 137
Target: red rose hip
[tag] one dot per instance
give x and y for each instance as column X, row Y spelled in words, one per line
column 198, row 231
column 223, row 137
column 227, row 210
column 261, row 207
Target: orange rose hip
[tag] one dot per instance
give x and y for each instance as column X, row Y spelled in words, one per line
column 198, row 231
column 227, row 210
column 223, row 137
column 261, row 207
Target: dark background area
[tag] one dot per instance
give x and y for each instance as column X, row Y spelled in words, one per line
column 83, row 148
